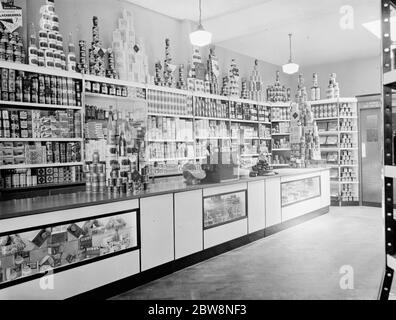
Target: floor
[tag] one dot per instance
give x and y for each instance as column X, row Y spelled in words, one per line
column 303, row 262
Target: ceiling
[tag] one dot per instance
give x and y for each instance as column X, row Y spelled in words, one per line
column 260, row 28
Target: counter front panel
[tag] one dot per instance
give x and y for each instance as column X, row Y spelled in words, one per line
column 31, row 253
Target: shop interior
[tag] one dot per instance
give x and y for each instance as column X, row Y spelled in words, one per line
column 192, row 149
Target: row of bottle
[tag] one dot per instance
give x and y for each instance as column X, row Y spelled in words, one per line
column 106, row 89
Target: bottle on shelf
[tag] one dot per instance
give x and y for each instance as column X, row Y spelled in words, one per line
column 111, row 134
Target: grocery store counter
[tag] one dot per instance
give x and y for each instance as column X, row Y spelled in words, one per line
column 77, row 244
column 52, row 203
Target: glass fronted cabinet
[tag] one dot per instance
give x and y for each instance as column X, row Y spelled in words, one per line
column 300, row 190
column 32, row 253
column 224, row 208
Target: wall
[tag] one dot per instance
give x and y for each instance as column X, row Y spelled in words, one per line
column 76, row 16
column 356, row 77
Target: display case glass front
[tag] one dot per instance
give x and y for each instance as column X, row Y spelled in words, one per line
column 300, row 190
column 34, row 252
column 225, row 208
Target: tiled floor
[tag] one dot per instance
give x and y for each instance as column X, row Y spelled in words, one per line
column 303, row 262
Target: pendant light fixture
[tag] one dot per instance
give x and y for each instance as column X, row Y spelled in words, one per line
column 200, row 37
column 290, row 67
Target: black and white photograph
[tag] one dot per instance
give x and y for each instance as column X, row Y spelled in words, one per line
column 195, row 156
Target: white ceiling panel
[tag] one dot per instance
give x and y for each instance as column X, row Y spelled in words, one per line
column 259, row 28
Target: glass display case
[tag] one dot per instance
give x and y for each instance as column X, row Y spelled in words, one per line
column 224, row 208
column 300, row 190
column 31, row 253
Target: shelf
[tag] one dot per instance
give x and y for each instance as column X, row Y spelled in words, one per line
column 391, row 261
column 280, row 120
column 349, row 182
column 116, row 82
column 172, row 159
column 349, row 117
column 40, row 70
column 329, row 149
column 215, row 138
column 37, row 105
column 41, row 139
column 264, row 122
column 42, row 165
column 169, row 140
column 244, row 121
column 327, row 133
column 390, row 78
column 264, row 103
column 351, row 132
column 210, row 118
column 43, row 186
column 348, row 165
column 268, row 138
column 250, row 155
column 390, row 172
column 246, row 101
column 282, row 149
column 110, row 97
column 169, row 115
column 350, row 149
column 324, row 101
column 326, row 119
column 280, row 104
column 210, row 96
column 280, row 165
column 281, row 134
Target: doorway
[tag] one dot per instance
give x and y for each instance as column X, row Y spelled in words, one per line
column 371, row 149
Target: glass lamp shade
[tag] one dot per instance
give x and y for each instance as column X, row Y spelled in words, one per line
column 200, row 37
column 290, row 68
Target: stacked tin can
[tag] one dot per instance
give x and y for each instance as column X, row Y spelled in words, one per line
column 96, row 52
column 11, row 47
column 50, row 52
column 95, row 175
column 111, row 68
column 168, row 76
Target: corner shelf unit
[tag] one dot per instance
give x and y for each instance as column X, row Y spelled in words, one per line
column 342, row 158
column 388, row 9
